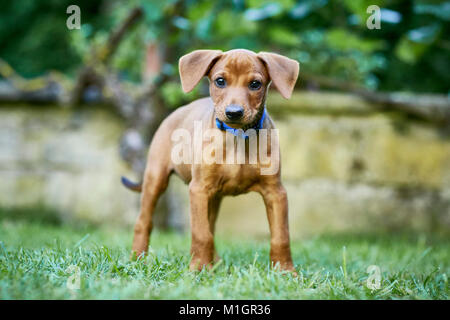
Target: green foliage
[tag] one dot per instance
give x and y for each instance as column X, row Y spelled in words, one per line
column 34, row 37
column 35, row 257
column 329, row 38
column 174, row 96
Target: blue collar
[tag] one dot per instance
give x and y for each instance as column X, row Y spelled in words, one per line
column 239, row 132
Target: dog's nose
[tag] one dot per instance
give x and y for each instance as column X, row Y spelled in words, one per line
column 234, row 112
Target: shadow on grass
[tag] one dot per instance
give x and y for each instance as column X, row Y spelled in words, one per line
column 32, row 214
column 42, row 215
column 48, row 216
column 386, row 238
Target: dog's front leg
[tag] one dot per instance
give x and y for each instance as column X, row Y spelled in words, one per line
column 275, row 199
column 202, row 246
column 213, row 212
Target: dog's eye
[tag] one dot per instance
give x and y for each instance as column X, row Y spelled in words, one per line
column 255, row 85
column 220, row 82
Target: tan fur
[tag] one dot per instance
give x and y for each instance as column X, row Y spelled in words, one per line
column 209, row 183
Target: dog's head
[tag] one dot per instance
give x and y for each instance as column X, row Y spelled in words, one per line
column 239, row 80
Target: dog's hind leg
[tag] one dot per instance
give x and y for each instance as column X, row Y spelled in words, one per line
column 156, row 179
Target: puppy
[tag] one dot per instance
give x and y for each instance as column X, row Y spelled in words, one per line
column 239, row 81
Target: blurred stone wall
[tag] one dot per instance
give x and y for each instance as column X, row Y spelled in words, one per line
column 346, row 167
column 64, row 159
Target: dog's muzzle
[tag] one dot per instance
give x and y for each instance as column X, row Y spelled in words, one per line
column 234, row 112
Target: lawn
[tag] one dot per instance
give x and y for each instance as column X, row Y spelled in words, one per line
column 35, row 260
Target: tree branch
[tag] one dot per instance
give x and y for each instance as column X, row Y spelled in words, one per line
column 432, row 108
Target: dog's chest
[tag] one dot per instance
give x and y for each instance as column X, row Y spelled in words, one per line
column 234, row 179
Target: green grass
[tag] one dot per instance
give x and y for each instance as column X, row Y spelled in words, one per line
column 35, row 257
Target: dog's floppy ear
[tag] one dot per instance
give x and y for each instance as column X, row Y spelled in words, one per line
column 194, row 66
column 283, row 72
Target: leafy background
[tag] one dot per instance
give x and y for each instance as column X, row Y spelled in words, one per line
column 409, row 53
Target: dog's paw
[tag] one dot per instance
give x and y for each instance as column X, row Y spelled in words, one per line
column 197, row 265
column 287, row 268
column 137, row 255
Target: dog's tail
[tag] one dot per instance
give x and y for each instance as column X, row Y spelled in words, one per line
column 137, row 187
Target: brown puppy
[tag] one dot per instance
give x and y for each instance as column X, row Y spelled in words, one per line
column 239, row 81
